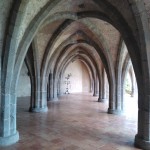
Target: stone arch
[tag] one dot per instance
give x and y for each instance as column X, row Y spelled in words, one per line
column 89, row 68
column 31, row 70
column 110, row 67
column 69, row 56
column 110, row 78
column 39, row 105
column 61, row 74
column 62, row 29
column 8, row 105
column 82, row 58
column 142, row 75
column 110, row 110
column 95, row 1
column 142, row 139
column 127, row 68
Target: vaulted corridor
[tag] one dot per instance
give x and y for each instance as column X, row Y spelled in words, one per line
column 49, row 48
column 76, row 122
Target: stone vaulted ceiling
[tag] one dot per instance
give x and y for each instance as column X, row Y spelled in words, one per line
column 48, row 34
column 95, row 28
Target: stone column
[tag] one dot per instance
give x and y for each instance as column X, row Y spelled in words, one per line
column 55, row 94
column 43, row 94
column 122, row 94
column 40, row 97
column 112, row 98
column 103, row 87
column 96, row 87
column 142, row 139
column 32, row 99
column 91, row 83
column 51, row 86
column 43, row 102
column 8, row 132
column 60, row 86
column 118, row 94
column 91, row 86
column 48, row 89
column 100, row 92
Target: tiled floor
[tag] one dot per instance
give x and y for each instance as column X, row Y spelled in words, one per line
column 75, row 122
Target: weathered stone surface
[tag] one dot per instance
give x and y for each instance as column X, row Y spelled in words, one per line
column 58, row 32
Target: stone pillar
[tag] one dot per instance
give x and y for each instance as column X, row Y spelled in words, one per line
column 103, row 87
column 122, row 92
column 32, row 99
column 100, row 93
column 40, row 97
column 112, row 97
column 43, row 102
column 142, row 139
column 118, row 94
column 91, row 84
column 48, row 90
column 55, row 95
column 8, row 132
column 96, row 87
column 51, row 86
column 60, row 86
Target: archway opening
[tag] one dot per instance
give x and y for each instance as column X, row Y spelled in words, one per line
column 114, row 17
column 130, row 94
column 24, row 89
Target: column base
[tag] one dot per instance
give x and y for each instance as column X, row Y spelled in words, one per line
column 95, row 95
column 115, row 112
column 60, row 95
column 90, row 91
column 53, row 99
column 36, row 110
column 102, row 100
column 140, row 143
column 6, row 141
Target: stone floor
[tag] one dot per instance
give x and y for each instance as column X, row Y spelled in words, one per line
column 76, row 122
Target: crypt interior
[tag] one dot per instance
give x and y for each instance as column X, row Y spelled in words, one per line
column 75, row 74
